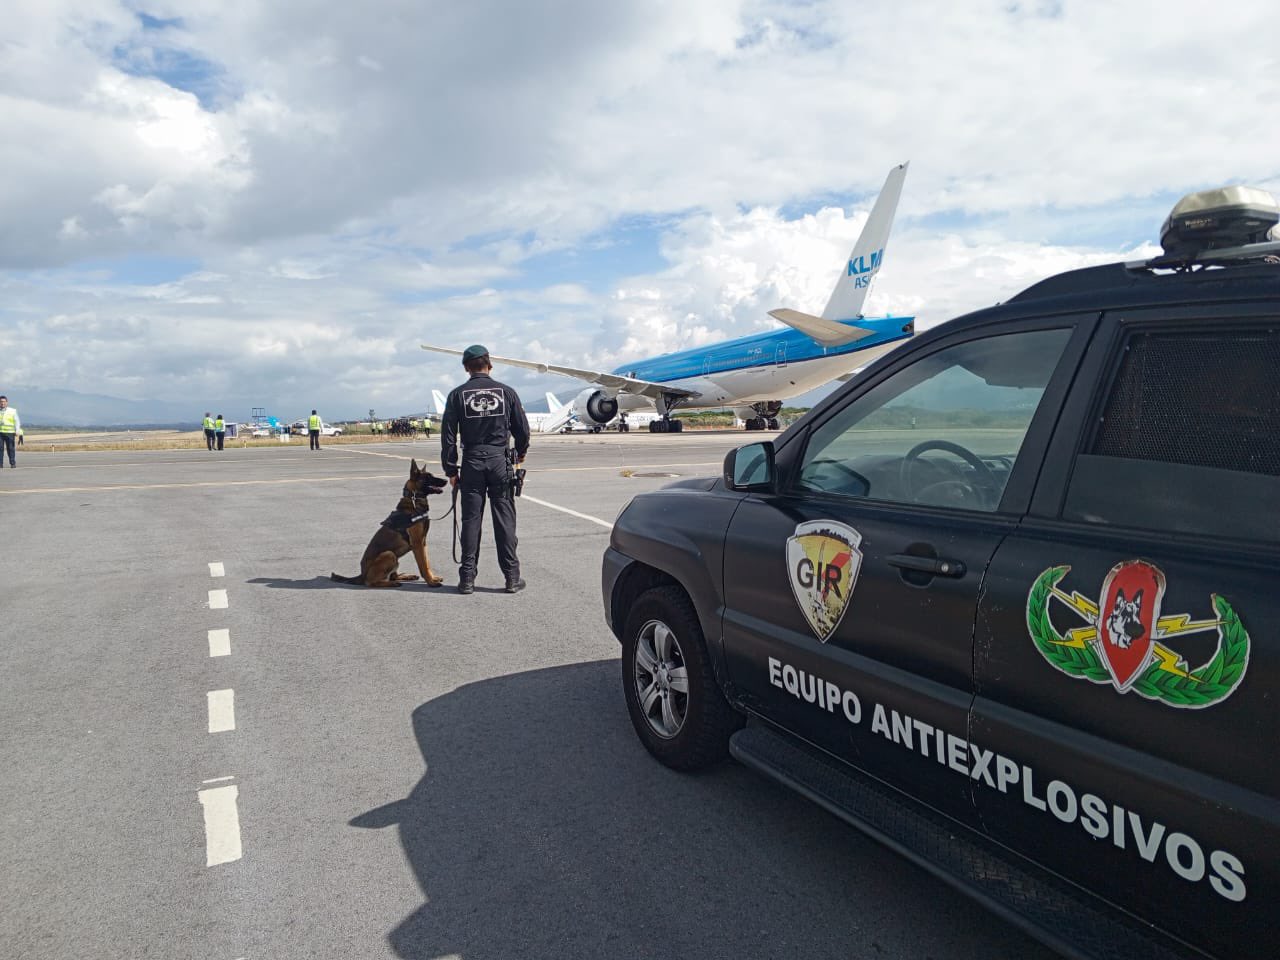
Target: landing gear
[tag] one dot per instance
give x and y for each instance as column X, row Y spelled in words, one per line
column 666, row 425
column 766, row 415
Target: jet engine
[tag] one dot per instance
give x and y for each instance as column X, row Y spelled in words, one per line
column 596, row 405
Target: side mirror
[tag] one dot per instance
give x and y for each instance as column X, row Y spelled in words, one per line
column 750, row 467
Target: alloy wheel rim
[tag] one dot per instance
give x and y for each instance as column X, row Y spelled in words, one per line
column 661, row 679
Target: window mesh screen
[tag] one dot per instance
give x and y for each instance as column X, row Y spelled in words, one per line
column 1208, row 400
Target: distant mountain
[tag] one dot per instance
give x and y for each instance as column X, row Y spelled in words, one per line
column 67, row 408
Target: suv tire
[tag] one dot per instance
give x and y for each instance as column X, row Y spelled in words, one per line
column 675, row 704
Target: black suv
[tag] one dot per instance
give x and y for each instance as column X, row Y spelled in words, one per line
column 1005, row 601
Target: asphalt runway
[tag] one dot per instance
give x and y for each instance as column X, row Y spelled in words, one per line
column 212, row 750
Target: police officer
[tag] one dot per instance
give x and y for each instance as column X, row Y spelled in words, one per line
column 220, row 429
column 10, row 430
column 208, row 430
column 313, row 430
column 485, row 415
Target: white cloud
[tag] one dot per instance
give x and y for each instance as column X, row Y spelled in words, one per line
column 348, row 180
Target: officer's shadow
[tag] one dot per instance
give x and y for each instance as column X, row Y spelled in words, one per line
column 541, row 828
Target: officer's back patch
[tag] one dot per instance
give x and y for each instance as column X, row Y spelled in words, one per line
column 484, row 403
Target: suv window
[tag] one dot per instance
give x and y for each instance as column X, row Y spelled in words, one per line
column 945, row 430
column 1188, row 438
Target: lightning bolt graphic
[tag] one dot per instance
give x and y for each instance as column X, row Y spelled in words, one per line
column 1080, row 604
column 1182, row 623
column 1171, row 662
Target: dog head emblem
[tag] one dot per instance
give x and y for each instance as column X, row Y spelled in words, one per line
column 1124, row 625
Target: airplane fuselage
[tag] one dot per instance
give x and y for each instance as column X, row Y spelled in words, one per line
column 775, row 365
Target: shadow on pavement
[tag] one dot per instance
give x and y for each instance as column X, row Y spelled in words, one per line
column 541, row 828
column 315, row 583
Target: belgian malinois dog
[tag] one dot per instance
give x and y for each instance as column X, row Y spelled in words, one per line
column 404, row 530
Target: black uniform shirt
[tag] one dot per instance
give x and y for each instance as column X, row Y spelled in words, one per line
column 481, row 413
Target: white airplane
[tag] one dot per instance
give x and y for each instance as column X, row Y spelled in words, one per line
column 536, row 420
column 753, row 374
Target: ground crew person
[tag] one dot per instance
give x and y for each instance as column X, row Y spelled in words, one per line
column 313, row 430
column 485, row 416
column 220, row 429
column 10, row 430
column 208, row 430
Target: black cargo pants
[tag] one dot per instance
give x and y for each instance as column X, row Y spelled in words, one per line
column 485, row 473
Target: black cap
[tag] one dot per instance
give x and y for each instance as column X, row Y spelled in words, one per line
column 474, row 352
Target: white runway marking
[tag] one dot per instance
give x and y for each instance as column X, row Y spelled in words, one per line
column 219, row 643
column 217, row 570
column 217, row 599
column 573, row 513
column 218, row 780
column 221, row 825
column 222, row 710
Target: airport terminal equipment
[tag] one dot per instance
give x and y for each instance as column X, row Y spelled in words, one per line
column 754, row 373
column 1006, row 601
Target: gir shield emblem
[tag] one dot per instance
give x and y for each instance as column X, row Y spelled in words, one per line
column 823, row 561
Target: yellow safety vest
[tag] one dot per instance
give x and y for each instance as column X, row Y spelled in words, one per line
column 313, row 423
column 219, row 425
column 8, row 420
column 208, row 423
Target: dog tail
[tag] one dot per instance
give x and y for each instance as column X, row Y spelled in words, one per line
column 341, row 579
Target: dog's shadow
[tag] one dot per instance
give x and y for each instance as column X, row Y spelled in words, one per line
column 315, row 583
column 328, row 583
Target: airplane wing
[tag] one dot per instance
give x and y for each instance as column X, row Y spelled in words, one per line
column 610, row 381
column 829, row 333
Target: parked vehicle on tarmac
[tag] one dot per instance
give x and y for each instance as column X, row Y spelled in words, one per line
column 1006, row 601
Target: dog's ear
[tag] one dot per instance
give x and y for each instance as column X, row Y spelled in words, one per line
column 413, row 467
column 1137, row 598
column 1120, row 597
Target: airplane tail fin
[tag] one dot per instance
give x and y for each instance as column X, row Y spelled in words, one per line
column 438, row 397
column 552, row 403
column 868, row 253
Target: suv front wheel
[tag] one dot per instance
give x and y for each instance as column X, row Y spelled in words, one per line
column 676, row 705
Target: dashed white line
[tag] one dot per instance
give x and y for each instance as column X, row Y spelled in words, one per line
column 217, row 780
column 221, row 825
column 222, row 711
column 573, row 513
column 217, row 599
column 219, row 643
column 217, row 570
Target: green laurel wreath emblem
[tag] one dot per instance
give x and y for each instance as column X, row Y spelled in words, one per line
column 1206, row 685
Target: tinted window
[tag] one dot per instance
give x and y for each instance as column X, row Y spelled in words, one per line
column 945, row 430
column 1189, row 437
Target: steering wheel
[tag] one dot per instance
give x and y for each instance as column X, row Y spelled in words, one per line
column 863, row 483
column 986, row 480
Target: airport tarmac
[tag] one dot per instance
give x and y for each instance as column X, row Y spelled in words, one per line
column 213, row 750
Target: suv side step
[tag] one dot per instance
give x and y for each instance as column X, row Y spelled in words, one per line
column 1048, row 908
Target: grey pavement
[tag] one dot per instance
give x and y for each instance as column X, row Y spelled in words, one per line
column 419, row 774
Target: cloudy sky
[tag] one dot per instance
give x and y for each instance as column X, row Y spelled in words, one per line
column 235, row 203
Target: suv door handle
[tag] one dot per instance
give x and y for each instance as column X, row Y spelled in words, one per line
column 935, row 566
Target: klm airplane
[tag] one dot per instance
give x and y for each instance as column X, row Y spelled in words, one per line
column 753, row 374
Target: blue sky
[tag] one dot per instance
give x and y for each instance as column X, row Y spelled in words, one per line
column 244, row 205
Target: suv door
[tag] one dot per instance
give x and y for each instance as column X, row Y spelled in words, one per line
column 850, row 593
column 1126, row 653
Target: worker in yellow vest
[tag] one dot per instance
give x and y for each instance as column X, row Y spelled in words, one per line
column 208, row 430
column 220, row 429
column 313, row 430
column 10, row 430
